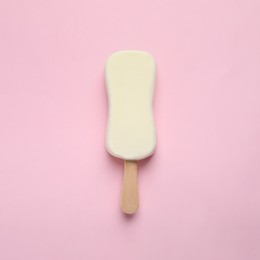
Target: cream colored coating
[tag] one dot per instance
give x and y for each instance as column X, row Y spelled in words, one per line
column 130, row 79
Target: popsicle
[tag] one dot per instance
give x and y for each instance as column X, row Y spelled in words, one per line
column 131, row 133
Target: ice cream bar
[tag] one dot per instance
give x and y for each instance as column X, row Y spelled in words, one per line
column 131, row 135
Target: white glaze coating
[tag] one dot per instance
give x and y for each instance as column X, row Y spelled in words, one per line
column 130, row 79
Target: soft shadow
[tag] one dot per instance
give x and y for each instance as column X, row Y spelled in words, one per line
column 129, row 217
column 142, row 164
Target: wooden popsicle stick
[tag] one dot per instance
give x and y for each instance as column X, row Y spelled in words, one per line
column 130, row 197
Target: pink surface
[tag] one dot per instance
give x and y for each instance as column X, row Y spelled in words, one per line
column 60, row 190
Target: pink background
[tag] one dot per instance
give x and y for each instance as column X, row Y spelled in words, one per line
column 60, row 190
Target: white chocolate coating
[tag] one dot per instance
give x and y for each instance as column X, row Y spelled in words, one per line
column 130, row 78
